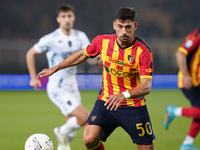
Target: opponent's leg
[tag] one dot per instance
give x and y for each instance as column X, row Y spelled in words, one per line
column 78, row 118
column 75, row 120
column 69, row 102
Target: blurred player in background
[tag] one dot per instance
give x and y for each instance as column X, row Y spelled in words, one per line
column 62, row 87
column 188, row 60
column 127, row 77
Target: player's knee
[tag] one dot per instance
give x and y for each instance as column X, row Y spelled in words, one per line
column 88, row 141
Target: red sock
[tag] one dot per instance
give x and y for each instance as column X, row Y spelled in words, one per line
column 193, row 112
column 194, row 128
column 99, row 146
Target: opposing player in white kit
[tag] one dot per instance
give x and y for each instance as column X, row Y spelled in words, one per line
column 62, row 87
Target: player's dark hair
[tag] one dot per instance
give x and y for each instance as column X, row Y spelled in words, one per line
column 65, row 8
column 126, row 13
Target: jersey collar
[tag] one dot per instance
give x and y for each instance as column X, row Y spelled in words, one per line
column 125, row 46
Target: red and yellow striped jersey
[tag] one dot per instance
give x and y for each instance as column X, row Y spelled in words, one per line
column 122, row 66
column 191, row 48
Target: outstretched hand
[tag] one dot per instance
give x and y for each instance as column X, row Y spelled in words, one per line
column 113, row 101
column 46, row 72
column 35, row 83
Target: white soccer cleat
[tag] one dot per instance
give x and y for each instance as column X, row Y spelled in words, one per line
column 63, row 141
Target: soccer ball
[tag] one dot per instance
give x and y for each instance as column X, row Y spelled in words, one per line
column 38, row 141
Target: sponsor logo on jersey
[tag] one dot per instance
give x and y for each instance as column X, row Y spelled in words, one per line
column 119, row 62
column 120, row 73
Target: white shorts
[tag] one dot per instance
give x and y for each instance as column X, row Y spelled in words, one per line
column 65, row 100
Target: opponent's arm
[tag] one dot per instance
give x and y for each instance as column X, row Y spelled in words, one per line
column 30, row 61
column 143, row 89
column 182, row 65
column 74, row 59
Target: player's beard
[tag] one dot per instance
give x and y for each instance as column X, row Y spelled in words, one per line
column 124, row 39
column 67, row 30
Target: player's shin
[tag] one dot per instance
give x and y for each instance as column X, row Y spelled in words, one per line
column 194, row 128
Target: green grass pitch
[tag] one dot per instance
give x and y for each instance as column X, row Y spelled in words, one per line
column 23, row 113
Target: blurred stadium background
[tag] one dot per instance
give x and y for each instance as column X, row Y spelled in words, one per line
column 163, row 24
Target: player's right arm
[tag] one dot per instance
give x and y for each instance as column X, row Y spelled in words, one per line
column 30, row 60
column 74, row 59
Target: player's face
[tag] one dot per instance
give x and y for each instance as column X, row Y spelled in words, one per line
column 66, row 20
column 125, row 30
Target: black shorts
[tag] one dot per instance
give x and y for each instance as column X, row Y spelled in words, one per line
column 193, row 95
column 134, row 120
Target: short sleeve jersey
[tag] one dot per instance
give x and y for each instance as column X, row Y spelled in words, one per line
column 123, row 67
column 59, row 46
column 191, row 48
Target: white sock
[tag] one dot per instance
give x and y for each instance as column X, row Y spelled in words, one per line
column 188, row 140
column 70, row 126
column 71, row 135
column 178, row 111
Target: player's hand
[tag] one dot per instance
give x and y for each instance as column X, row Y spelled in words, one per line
column 46, row 72
column 113, row 101
column 35, row 83
column 187, row 82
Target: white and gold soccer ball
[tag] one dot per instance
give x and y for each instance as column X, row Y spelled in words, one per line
column 38, row 141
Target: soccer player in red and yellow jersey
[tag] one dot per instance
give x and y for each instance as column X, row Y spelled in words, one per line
column 127, row 77
column 188, row 60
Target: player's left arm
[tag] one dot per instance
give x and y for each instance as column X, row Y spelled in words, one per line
column 143, row 89
column 113, row 101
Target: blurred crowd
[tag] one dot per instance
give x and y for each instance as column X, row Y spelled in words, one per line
column 30, row 19
column 162, row 24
